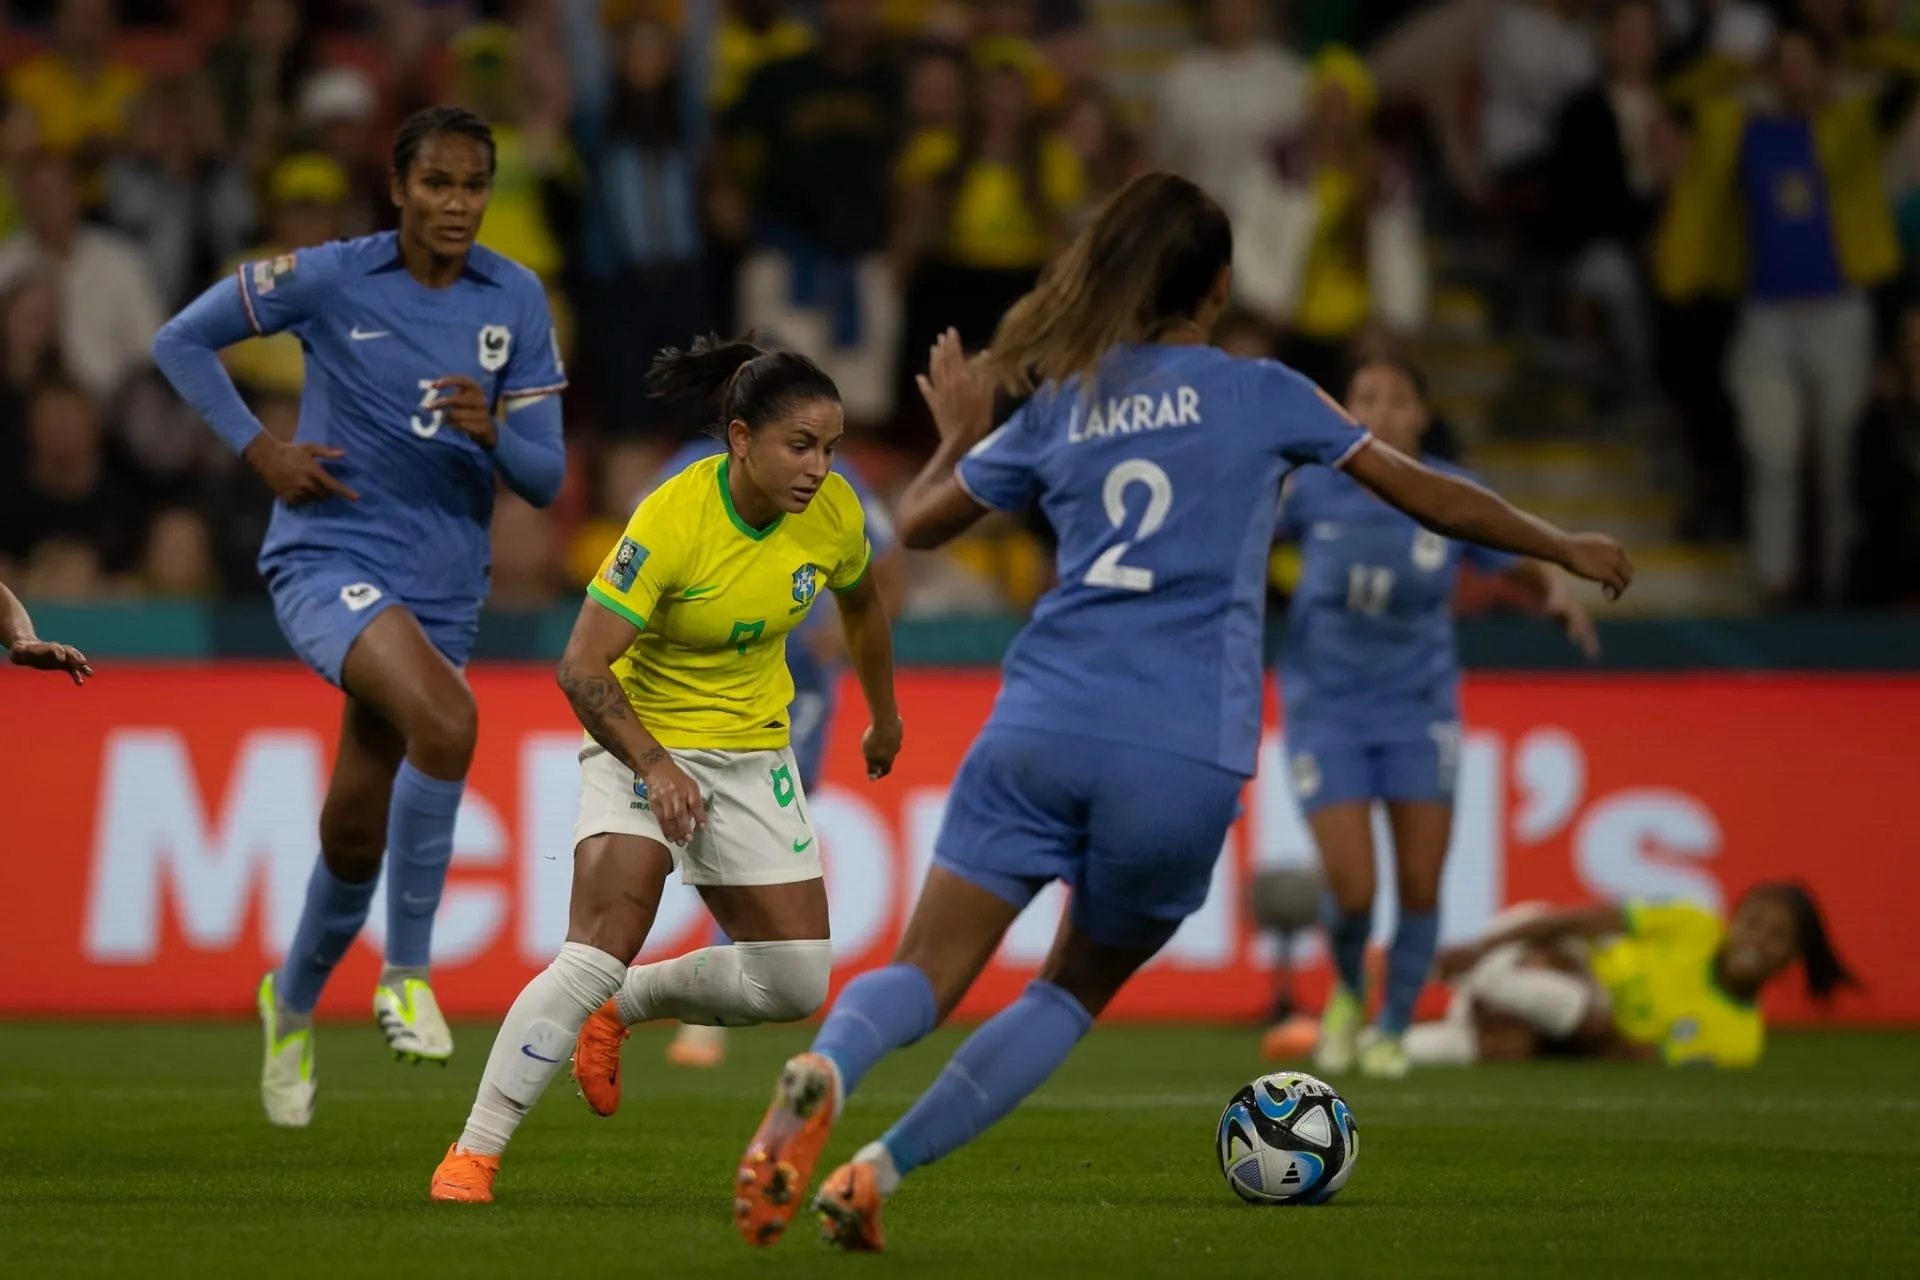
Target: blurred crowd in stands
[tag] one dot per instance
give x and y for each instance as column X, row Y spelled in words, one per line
column 1700, row 216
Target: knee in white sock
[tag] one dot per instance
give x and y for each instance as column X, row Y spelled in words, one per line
column 588, row 975
column 785, row 981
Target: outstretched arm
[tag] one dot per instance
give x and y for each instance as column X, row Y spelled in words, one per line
column 1541, row 930
column 25, row 649
column 1457, row 508
column 863, row 619
column 936, row 507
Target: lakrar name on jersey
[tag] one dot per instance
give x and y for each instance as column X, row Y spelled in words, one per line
column 1126, row 415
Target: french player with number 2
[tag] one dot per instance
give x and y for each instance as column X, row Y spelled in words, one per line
column 1370, row 686
column 1129, row 714
column 431, row 370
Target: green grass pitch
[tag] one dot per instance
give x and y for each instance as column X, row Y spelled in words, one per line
column 139, row 1150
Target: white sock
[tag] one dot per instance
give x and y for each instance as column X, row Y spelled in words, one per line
column 885, row 1176
column 1551, row 1002
column 535, row 1040
column 1442, row 1044
column 732, row 986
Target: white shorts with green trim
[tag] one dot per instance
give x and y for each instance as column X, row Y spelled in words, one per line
column 757, row 830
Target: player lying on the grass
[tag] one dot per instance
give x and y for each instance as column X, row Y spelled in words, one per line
column 1370, row 683
column 1129, row 712
column 816, row 655
column 677, row 670
column 1642, row 982
column 26, row 649
column 432, row 375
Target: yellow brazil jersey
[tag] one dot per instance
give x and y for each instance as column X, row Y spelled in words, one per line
column 991, row 226
column 714, row 599
column 1660, row 979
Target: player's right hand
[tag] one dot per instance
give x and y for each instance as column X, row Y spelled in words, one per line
column 961, row 402
column 293, row 471
column 1598, row 558
column 45, row 655
column 675, row 800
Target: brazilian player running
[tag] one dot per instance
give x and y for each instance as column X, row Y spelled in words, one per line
column 1129, row 713
column 1370, row 683
column 24, row 648
column 677, row 670
column 1639, row 981
column 377, row 554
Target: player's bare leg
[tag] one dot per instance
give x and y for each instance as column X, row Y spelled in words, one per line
column 1422, row 830
column 1343, row 833
column 394, row 670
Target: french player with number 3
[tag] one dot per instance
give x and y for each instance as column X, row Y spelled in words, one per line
column 431, row 370
column 1129, row 714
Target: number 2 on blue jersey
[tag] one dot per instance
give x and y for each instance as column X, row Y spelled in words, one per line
column 1107, row 569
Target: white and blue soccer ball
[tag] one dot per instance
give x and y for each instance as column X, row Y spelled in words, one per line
column 1287, row 1138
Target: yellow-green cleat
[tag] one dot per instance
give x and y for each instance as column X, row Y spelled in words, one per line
column 287, row 1085
column 1383, row 1056
column 410, row 1017
column 1340, row 1024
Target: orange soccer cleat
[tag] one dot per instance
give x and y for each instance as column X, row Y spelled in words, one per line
column 596, row 1059
column 464, row 1177
column 849, row 1208
column 779, row 1161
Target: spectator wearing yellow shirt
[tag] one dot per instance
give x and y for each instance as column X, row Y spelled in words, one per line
column 307, row 193
column 752, row 34
column 1327, row 239
column 981, row 211
column 76, row 88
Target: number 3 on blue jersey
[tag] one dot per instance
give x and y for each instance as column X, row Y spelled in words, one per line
column 431, row 427
column 1107, row 570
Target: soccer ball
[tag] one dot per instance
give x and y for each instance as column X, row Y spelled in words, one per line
column 1287, row 1139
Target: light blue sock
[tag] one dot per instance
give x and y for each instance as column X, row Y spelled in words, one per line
column 329, row 923
column 1010, row 1056
column 717, row 937
column 1347, row 939
column 419, row 847
column 1409, row 960
column 877, row 1013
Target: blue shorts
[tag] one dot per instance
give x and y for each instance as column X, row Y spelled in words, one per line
column 1328, row 771
column 1132, row 831
column 324, row 604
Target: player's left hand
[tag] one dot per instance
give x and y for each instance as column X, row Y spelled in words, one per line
column 45, row 655
column 1573, row 616
column 466, row 410
column 961, row 400
column 880, row 744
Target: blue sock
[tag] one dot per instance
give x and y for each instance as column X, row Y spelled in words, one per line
column 1409, row 960
column 1347, row 937
column 419, row 847
column 1010, row 1056
column 329, row 923
column 717, row 937
column 877, row 1013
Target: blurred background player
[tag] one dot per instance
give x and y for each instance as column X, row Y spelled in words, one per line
column 1642, row 982
column 1370, row 684
column 378, row 549
column 1129, row 714
column 676, row 670
column 816, row 655
column 26, row 649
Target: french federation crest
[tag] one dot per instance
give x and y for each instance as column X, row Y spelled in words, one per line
column 1429, row 550
column 495, row 341
column 806, row 582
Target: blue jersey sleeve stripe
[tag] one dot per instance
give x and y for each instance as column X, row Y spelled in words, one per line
column 1353, row 451
column 246, row 299
column 959, row 478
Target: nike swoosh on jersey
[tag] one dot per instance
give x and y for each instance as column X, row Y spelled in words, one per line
column 694, row 593
column 367, row 335
column 800, row 846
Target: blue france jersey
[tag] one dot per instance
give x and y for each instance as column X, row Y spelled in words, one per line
column 1160, row 483
column 375, row 339
column 1370, row 642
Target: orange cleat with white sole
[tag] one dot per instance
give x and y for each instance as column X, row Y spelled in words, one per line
column 779, row 1161
column 596, row 1059
column 849, row 1208
column 1292, row 1040
column 464, row 1177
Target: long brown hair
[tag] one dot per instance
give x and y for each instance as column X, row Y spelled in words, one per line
column 1146, row 261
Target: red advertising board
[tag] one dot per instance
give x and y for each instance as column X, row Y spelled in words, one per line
column 160, row 828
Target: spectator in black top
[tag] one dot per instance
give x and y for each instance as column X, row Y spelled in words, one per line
column 70, row 488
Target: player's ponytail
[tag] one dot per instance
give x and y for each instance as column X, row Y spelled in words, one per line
column 1826, row 972
column 738, row 382
column 1147, row 260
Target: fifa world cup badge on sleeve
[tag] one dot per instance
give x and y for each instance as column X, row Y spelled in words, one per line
column 625, row 565
column 269, row 271
column 495, row 341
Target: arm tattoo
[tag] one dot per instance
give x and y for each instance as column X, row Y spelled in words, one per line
column 599, row 704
